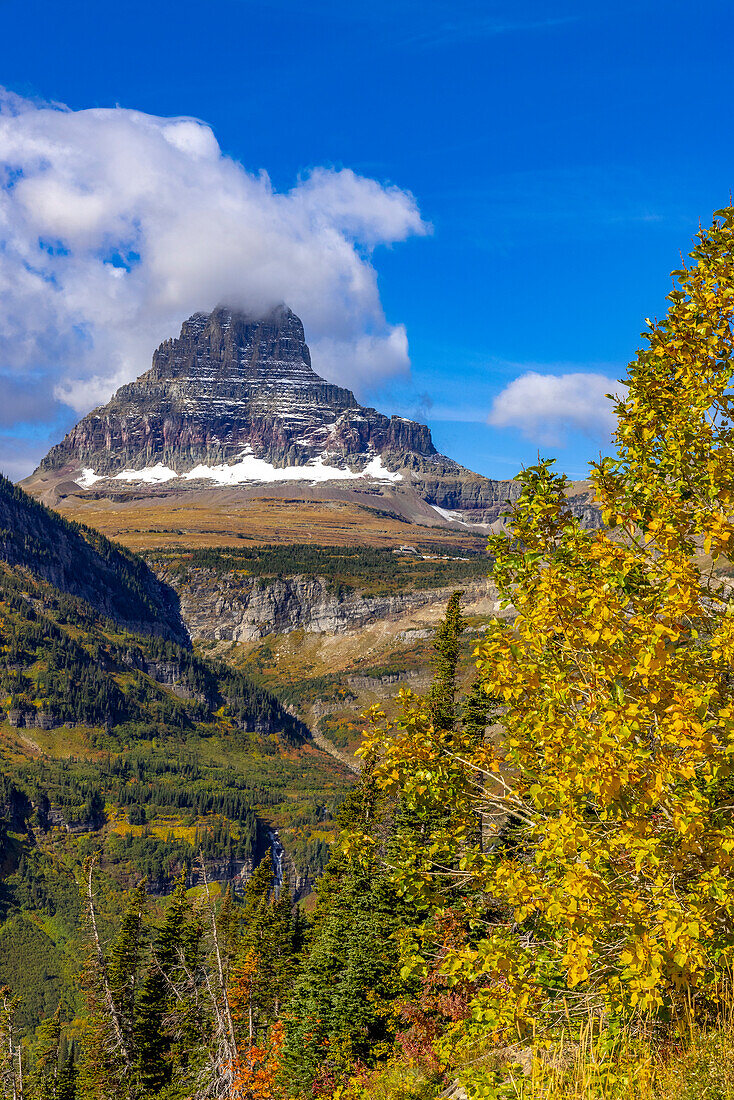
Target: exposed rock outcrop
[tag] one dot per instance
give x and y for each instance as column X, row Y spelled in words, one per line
column 229, row 607
column 231, row 382
column 234, row 387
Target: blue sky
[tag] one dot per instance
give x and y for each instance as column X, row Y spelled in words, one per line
column 562, row 153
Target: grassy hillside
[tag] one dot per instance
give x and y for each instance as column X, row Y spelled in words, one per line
column 108, row 759
column 225, row 517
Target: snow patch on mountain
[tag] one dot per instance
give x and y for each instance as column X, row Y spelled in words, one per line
column 457, row 517
column 151, row 475
column 248, row 469
column 375, row 469
column 257, row 469
column 88, row 477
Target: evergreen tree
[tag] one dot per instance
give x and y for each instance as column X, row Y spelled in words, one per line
column 447, row 647
column 11, row 1067
column 48, row 1043
column 475, row 710
column 266, row 962
column 108, row 1069
column 342, row 1007
column 43, row 809
column 153, row 1042
column 123, row 964
column 257, row 895
column 229, row 921
column 280, row 943
column 68, row 1073
column 252, row 956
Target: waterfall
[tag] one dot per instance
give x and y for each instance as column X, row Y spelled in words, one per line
column 277, row 853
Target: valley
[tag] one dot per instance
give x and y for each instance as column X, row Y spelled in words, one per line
column 203, row 588
column 311, row 543
column 244, row 677
column 192, row 689
column 350, row 747
column 329, row 677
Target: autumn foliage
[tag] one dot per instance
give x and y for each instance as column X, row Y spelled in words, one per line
column 586, row 843
column 541, row 854
column 256, row 1067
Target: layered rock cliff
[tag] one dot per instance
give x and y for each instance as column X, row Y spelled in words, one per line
column 230, row 383
column 226, row 606
column 234, row 400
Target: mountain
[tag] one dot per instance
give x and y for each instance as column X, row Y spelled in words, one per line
column 311, row 540
column 96, row 662
column 91, row 637
column 81, row 562
column 235, row 402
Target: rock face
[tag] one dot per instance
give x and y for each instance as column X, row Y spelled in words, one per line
column 228, row 383
column 235, row 399
column 229, row 607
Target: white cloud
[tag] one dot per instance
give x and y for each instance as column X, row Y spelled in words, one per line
column 547, row 406
column 116, row 225
column 366, row 357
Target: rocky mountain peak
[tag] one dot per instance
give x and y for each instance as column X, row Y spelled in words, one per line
column 234, row 401
column 234, row 387
column 238, row 349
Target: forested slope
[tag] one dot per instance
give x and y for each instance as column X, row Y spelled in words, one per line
column 124, row 744
column 81, row 562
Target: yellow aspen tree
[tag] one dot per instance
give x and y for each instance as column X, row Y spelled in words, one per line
column 601, row 877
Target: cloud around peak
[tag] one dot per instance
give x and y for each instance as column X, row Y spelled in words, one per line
column 115, row 225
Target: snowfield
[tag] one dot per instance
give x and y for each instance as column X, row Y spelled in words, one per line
column 248, row 469
column 456, row 517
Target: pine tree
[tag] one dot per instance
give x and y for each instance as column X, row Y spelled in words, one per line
column 265, row 965
column 342, row 1006
column 280, row 948
column 447, row 647
column 43, row 809
column 108, row 1069
column 152, row 1041
column 45, row 1080
column 229, row 921
column 347, row 985
column 476, row 706
column 123, row 963
column 68, row 1073
column 257, row 895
